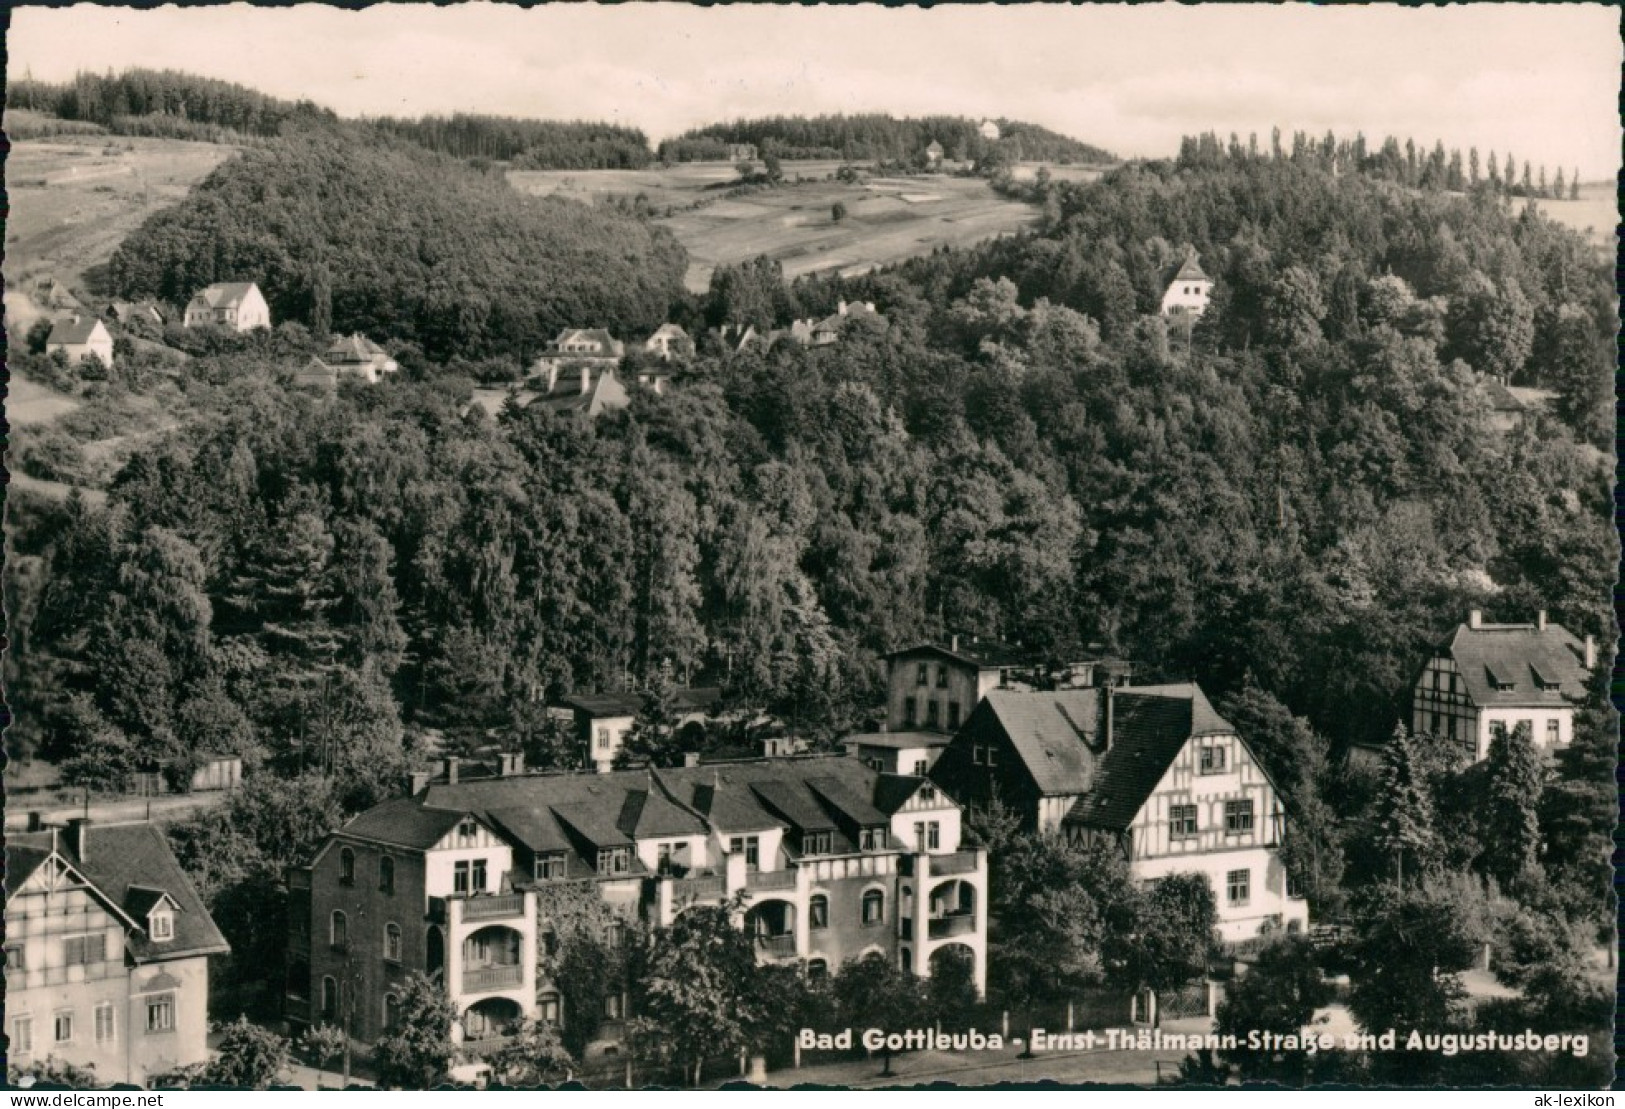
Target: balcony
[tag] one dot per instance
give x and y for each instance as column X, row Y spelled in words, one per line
column 955, row 862
column 771, row 880
column 940, row 928
column 499, row 976
column 699, row 887
column 777, row 947
column 498, row 907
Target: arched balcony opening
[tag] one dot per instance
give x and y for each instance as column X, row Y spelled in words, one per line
column 952, row 909
column 773, row 923
column 491, row 1018
column 491, row 959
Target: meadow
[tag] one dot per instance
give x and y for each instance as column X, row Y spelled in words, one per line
column 886, row 219
column 1595, row 215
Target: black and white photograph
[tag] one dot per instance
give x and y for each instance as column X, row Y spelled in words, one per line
column 660, row 546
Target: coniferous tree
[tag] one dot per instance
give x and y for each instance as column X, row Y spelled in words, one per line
column 1405, row 807
column 1514, row 779
column 1574, row 184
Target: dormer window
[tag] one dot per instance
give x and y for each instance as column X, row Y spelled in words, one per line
column 817, row 843
column 161, row 923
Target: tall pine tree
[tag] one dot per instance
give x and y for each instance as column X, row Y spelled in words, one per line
column 1514, row 780
column 1405, row 808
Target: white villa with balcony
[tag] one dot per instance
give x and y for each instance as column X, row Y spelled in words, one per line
column 835, row 861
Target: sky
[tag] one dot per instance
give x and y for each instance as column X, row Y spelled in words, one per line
column 1539, row 80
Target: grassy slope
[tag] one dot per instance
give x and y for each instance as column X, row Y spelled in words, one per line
column 888, row 219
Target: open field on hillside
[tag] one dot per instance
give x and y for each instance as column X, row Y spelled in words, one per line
column 887, row 219
column 1595, row 214
column 75, row 198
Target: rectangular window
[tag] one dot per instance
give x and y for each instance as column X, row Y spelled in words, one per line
column 942, row 676
column 83, row 950
column 1181, row 821
column 1294, row 887
column 908, row 711
column 22, row 1035
column 990, row 754
column 1452, row 681
column 478, row 881
column 1212, row 760
column 933, row 837
column 467, row 832
column 922, row 676
column 614, row 860
column 1552, row 733
column 817, row 843
column 550, row 868
column 953, row 715
column 104, row 1024
column 976, row 754
column 459, row 877
column 664, row 860
column 920, row 767
column 161, row 1013
column 64, row 1028
column 163, row 926
column 749, row 846
column 928, row 793
column 603, row 739
column 873, row 839
column 1237, row 885
column 14, row 957
column 930, row 714
column 1238, row 817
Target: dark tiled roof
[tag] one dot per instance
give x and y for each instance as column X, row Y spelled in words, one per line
column 843, row 801
column 75, row 331
column 594, row 823
column 1523, row 656
column 982, row 652
column 405, row 823
column 127, row 863
column 22, row 859
column 892, row 791
column 795, row 806
column 138, row 902
column 649, row 812
column 1150, row 726
column 354, row 349
column 606, row 704
column 1054, row 733
column 1189, row 270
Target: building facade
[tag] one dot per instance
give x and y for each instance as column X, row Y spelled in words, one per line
column 107, row 952
column 80, row 337
column 1154, row 769
column 1188, row 291
column 233, row 305
column 1487, row 678
column 834, row 861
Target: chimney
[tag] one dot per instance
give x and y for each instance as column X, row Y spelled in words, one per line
column 1591, row 652
column 1475, row 618
column 691, row 758
column 955, row 643
column 1108, row 710
column 1540, row 620
column 417, row 782
column 451, row 770
column 843, row 307
column 78, row 839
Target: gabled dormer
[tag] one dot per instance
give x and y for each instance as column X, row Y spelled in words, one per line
column 155, row 910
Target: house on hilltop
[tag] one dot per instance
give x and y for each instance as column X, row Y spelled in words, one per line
column 602, row 720
column 77, row 338
column 830, row 328
column 1489, row 678
column 1186, row 289
column 233, row 305
column 668, row 342
column 107, row 952
column 831, row 859
column 1153, row 769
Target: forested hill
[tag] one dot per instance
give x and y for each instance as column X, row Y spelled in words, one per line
column 345, row 229
column 878, row 136
column 164, row 102
column 526, row 143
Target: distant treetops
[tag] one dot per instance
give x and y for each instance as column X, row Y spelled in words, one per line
column 877, row 136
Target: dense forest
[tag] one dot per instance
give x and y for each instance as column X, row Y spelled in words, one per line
column 526, row 143
column 163, row 102
column 878, row 137
column 345, row 230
